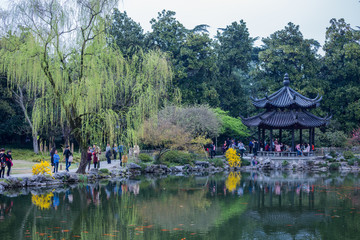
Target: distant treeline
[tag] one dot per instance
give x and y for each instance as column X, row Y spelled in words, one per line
column 225, row 71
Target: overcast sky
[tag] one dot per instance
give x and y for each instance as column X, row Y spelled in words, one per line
column 262, row 17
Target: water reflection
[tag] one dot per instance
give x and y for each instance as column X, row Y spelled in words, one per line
column 251, row 205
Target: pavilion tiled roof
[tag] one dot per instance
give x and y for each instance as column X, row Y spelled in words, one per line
column 286, row 119
column 286, row 97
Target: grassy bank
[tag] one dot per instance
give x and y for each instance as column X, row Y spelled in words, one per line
column 26, row 154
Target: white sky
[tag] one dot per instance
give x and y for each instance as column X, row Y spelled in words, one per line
column 262, row 17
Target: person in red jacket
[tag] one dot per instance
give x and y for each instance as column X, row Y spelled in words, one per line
column 8, row 160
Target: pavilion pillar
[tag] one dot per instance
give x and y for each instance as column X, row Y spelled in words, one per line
column 292, row 140
column 300, row 136
column 263, row 138
column 313, row 136
column 271, row 139
column 310, row 137
column 280, row 135
column 259, row 140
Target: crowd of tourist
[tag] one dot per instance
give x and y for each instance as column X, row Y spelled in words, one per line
column 239, row 145
column 93, row 156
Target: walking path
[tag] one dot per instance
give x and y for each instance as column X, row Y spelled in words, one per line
column 73, row 168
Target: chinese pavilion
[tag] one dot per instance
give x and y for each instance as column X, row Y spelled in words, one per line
column 286, row 109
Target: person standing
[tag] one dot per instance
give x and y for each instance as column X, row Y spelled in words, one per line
column 224, row 148
column 108, row 153
column 251, row 145
column 228, row 143
column 95, row 157
column 2, row 163
column 136, row 150
column 256, row 147
column 115, row 151
column 56, row 159
column 89, row 157
column 213, row 150
column 67, row 154
column 8, row 160
column 52, row 152
column 241, row 149
column 121, row 150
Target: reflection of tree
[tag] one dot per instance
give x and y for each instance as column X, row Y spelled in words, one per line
column 233, row 180
column 42, row 201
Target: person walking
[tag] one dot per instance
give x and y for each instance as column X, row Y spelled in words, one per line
column 56, row 160
column 2, row 163
column 89, row 157
column 67, row 155
column 115, row 151
column 9, row 163
column 108, row 153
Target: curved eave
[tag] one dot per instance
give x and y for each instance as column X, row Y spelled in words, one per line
column 286, row 97
column 286, row 120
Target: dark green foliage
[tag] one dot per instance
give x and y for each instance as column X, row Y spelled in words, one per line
column 145, row 157
column 218, row 162
column 342, row 71
column 126, row 34
column 176, row 158
column 104, row 171
column 245, row 162
column 285, row 163
column 230, row 127
column 143, row 166
column 334, row 166
column 352, row 161
column 348, row 155
column 333, row 154
column 234, row 50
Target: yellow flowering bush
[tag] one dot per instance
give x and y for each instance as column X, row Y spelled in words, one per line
column 43, row 201
column 42, row 168
column 232, row 181
column 233, row 158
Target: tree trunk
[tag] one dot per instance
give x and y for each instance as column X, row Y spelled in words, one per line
column 35, row 144
column 83, row 162
column 19, row 98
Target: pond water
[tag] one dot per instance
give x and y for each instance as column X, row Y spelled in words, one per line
column 252, row 205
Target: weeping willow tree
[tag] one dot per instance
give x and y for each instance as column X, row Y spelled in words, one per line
column 81, row 80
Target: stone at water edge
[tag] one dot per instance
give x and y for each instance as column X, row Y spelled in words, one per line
column 202, row 164
column 133, row 166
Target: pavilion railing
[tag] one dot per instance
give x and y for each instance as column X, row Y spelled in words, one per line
column 284, row 154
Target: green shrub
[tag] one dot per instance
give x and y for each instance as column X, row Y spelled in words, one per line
column 142, row 165
column 217, row 162
column 176, row 157
column 104, row 170
column 145, row 157
column 332, row 160
column 348, row 155
column 334, row 166
column 352, row 161
column 285, row 163
column 333, row 154
column 245, row 162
